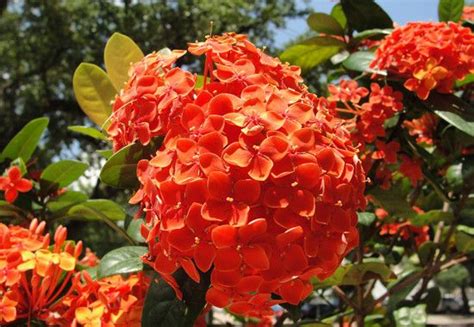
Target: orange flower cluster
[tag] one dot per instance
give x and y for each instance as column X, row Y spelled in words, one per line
column 39, row 281
column 468, row 13
column 423, row 128
column 430, row 56
column 33, row 274
column 254, row 179
column 111, row 301
column 13, row 183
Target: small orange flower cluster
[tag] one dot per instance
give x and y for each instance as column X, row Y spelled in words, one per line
column 468, row 13
column 39, row 281
column 430, row 56
column 33, row 274
column 254, row 179
column 111, row 301
column 13, row 183
column 423, row 128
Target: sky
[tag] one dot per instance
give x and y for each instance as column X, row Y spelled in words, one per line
column 401, row 12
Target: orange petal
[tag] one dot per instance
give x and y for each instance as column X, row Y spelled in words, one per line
column 224, row 236
column 255, row 257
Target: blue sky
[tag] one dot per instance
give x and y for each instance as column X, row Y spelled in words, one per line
column 401, row 11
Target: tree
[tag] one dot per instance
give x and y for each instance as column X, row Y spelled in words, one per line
column 43, row 41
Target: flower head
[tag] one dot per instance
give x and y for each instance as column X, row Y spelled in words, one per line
column 429, row 56
column 13, row 183
column 255, row 180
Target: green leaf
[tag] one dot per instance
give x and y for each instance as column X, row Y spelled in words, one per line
column 61, row 174
column 365, row 14
column 65, row 201
column 453, row 110
column 431, row 217
column 312, row 52
column 120, row 51
column 468, row 79
column 426, row 251
column 394, row 201
column 200, row 81
column 339, row 15
column 94, row 92
column 335, row 279
column 121, row 169
column 25, row 142
column 450, row 10
column 399, row 296
column 88, row 131
column 163, row 309
column 366, row 218
column 362, row 272
column 376, row 33
column 98, row 209
column 360, row 62
column 414, row 317
column 133, row 230
column 124, row 260
column 464, row 242
column 324, row 23
column 107, row 153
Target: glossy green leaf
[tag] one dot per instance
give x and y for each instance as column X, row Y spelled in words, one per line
column 312, row 52
column 453, row 110
column 121, row 168
column 163, row 309
column 88, row 131
column 124, row 260
column 376, row 33
column 360, row 62
column 98, row 209
column 324, row 23
column 431, row 217
column 468, row 79
column 450, row 10
column 120, row 51
column 365, row 14
column 61, row 174
column 335, row 279
column 94, row 92
column 133, row 230
column 65, row 201
column 24, row 143
column 107, row 153
column 339, row 15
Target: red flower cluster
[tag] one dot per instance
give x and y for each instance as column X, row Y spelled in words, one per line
column 430, row 56
column 36, row 278
column 254, row 179
column 405, row 230
column 14, row 183
column 146, row 106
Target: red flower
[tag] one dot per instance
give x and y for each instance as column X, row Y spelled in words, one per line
column 429, row 56
column 387, row 152
column 255, row 181
column 423, row 128
column 411, row 168
column 14, row 183
column 468, row 13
